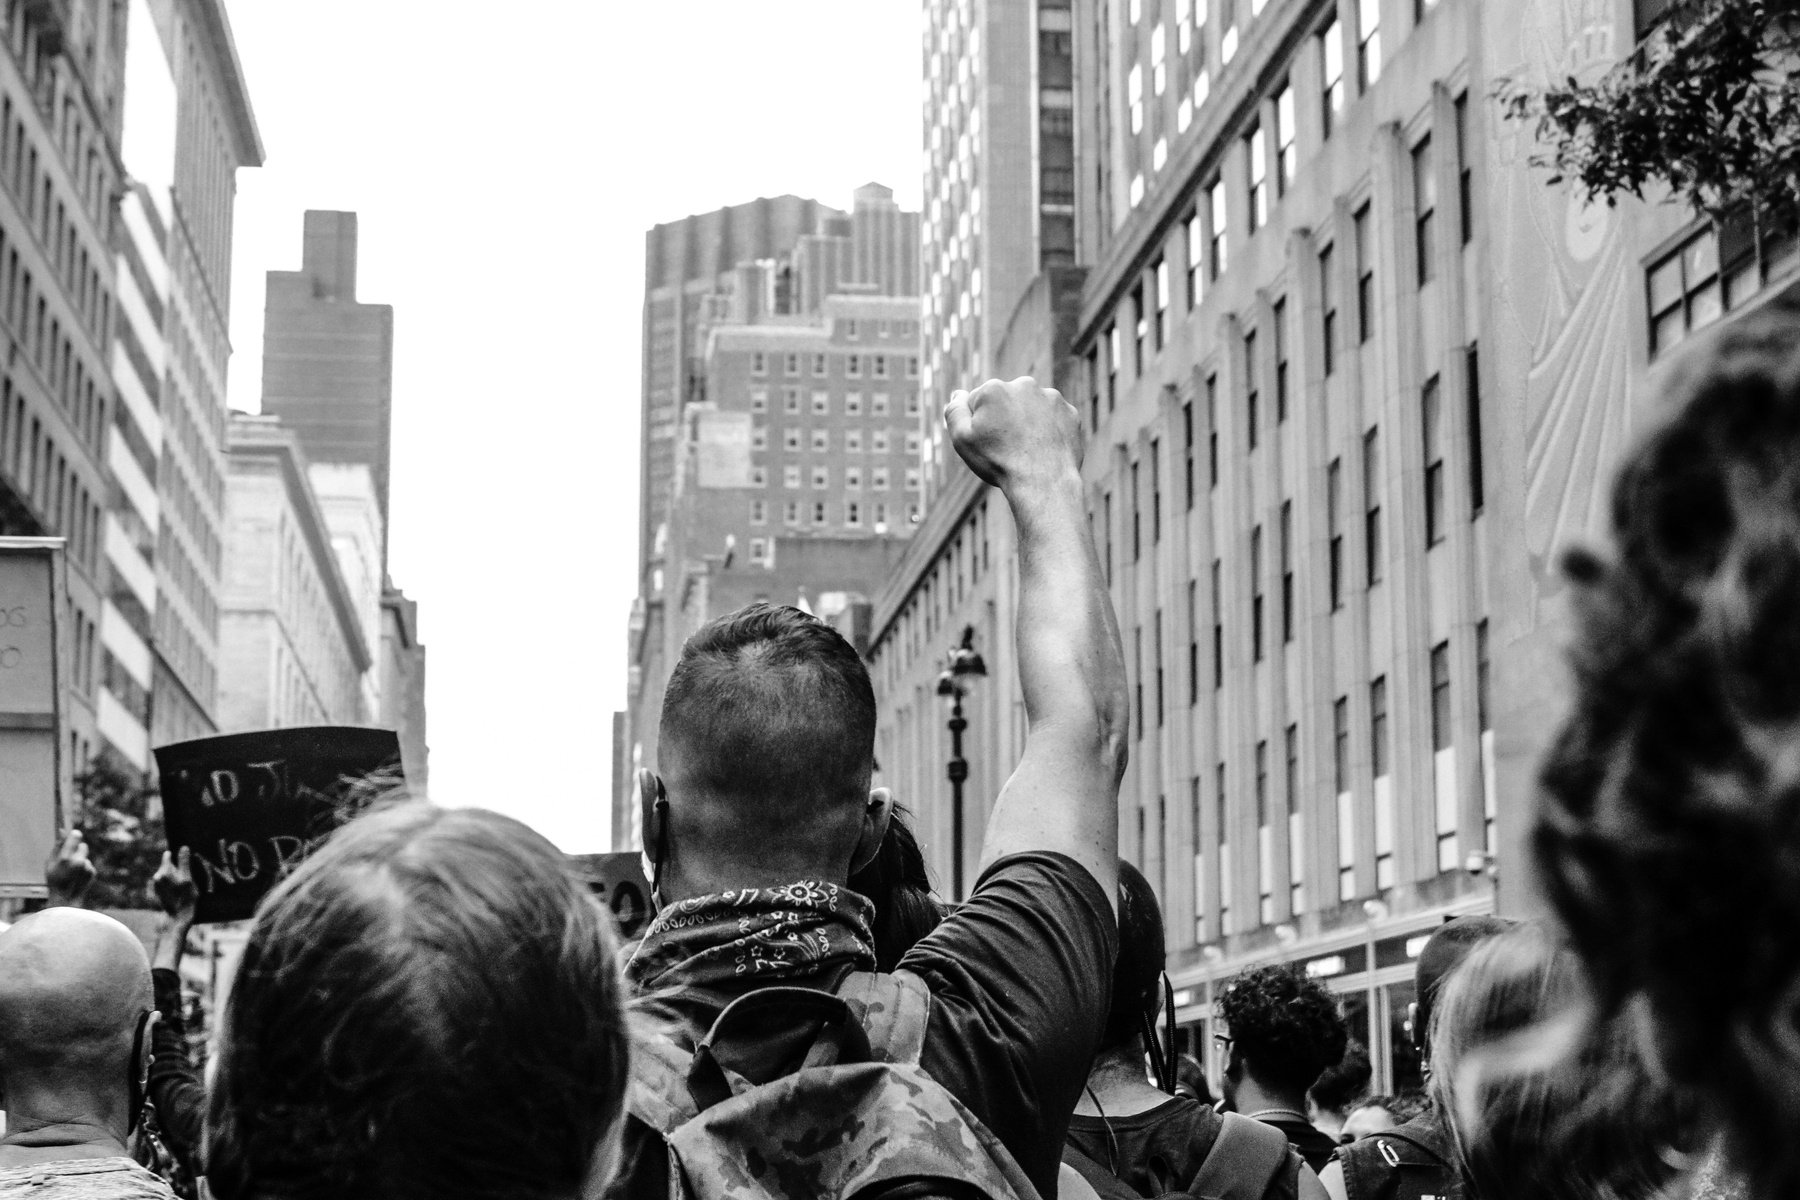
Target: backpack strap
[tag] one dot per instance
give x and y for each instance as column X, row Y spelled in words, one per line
column 1243, row 1161
column 1107, row 1185
column 893, row 1009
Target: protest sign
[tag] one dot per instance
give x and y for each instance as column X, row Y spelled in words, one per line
column 34, row 765
column 618, row 879
column 251, row 806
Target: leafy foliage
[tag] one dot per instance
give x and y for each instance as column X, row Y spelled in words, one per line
column 120, row 817
column 1706, row 104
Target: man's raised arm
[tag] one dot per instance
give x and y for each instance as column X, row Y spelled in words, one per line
column 1026, row 441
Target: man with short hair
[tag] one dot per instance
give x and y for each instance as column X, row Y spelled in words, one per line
column 75, row 1012
column 764, row 808
column 1283, row 1031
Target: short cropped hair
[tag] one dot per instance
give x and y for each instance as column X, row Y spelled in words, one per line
column 429, row 1006
column 1668, row 832
column 1138, row 970
column 771, row 704
column 1287, row 1025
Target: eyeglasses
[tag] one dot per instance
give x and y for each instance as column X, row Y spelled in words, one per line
column 1224, row 1040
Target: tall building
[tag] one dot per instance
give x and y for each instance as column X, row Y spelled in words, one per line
column 294, row 648
column 61, row 89
column 1352, row 375
column 188, row 128
column 402, row 667
column 328, row 358
column 999, row 186
column 794, row 475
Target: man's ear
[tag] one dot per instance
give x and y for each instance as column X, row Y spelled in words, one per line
column 653, row 811
column 876, row 815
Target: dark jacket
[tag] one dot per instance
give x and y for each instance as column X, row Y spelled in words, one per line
column 175, row 1086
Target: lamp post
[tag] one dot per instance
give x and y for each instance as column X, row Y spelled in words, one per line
column 964, row 663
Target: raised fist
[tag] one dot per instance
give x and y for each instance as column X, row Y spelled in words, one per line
column 1010, row 433
column 69, row 874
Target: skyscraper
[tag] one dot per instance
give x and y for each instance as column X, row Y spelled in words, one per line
column 328, row 359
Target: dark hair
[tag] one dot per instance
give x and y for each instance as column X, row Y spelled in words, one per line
column 896, row 883
column 1668, row 832
column 1403, row 1107
column 1287, row 1025
column 428, row 1007
column 1444, row 950
column 1340, row 1085
column 1191, row 1079
column 1539, row 1100
column 771, row 705
column 1137, row 971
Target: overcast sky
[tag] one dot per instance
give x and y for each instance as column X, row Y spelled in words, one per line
column 506, row 163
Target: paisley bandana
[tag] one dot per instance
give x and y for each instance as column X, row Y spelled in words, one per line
column 763, row 934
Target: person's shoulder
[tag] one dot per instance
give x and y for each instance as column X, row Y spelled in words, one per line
column 85, row 1179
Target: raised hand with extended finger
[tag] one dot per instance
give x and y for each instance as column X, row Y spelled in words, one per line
column 69, row 873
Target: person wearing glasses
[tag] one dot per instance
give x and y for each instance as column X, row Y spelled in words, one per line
column 76, row 1010
column 1284, row 1031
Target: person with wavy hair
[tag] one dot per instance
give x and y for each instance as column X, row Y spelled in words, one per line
column 428, row 1007
column 1541, row 1099
column 1284, row 1032
column 1668, row 829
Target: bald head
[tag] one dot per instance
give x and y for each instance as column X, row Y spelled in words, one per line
column 72, row 986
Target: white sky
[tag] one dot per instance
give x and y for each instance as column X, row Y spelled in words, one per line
column 506, row 163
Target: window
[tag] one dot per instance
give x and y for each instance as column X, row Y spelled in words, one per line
column 1224, row 830
column 1287, row 156
column 791, row 364
column 1113, row 355
column 912, row 366
column 853, row 441
column 1256, row 595
column 1465, row 185
column 1159, row 72
column 1365, row 277
column 1251, row 395
column 1331, row 55
column 849, row 327
column 1378, row 731
column 790, row 438
column 878, row 404
column 1328, row 303
column 853, row 514
column 1431, row 422
column 1134, row 95
column 1472, row 395
column 1442, row 739
column 1685, row 293
column 1155, row 491
column 820, row 513
column 759, row 477
column 1281, row 361
column 1372, row 503
column 912, row 479
column 1093, row 387
column 912, row 404
column 759, row 515
column 1287, row 571
column 759, row 364
column 1334, row 500
column 1346, row 808
column 853, row 404
column 1368, row 43
column 1196, row 255
column 1187, row 445
column 821, row 403
column 878, row 479
column 790, row 400
column 1265, row 860
column 880, row 365
column 1161, row 271
column 1340, row 744
column 1296, row 845
column 1483, row 673
column 1228, row 39
column 1216, row 214
column 818, row 364
column 853, row 479
column 1424, row 209
column 821, row 477
column 1106, row 525
column 1193, row 626
column 1137, row 545
column 1212, row 431
column 912, row 442
column 1256, row 146
column 759, row 437
column 759, row 400
column 1158, row 648
column 1420, row 8
column 878, row 441
column 1137, row 677
column 1218, row 631
column 790, row 511
column 1143, row 330
column 881, row 518
column 821, row 439
column 853, row 366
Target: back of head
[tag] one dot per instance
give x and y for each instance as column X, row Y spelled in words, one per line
column 428, row 1007
column 1344, row 1082
column 74, row 986
column 1287, row 1027
column 1541, row 1100
column 768, row 742
column 1669, row 820
column 1448, row 945
column 896, row 883
column 1137, row 972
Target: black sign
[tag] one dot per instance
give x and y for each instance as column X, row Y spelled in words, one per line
column 251, row 806
column 618, row 879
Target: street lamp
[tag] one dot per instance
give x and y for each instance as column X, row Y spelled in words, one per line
column 965, row 663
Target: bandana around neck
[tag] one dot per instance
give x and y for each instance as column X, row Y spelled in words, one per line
column 767, row 934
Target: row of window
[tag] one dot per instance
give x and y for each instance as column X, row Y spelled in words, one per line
column 48, row 479
column 880, row 404
column 1714, row 271
column 879, row 366
column 792, row 437
column 821, row 478
column 940, row 592
column 851, row 329
column 82, row 274
column 796, row 513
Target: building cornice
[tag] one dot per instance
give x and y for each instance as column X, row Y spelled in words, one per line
column 216, row 26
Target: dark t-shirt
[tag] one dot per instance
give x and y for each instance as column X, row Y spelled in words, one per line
column 1020, row 978
column 1160, row 1150
column 1315, row 1147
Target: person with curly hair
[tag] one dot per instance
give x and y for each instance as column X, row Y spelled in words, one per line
column 1284, row 1031
column 1668, row 830
column 1339, row 1089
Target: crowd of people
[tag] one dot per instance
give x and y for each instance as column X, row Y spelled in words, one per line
column 432, row 1005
